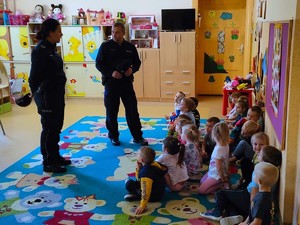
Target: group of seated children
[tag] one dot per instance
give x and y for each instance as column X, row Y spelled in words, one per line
column 238, row 138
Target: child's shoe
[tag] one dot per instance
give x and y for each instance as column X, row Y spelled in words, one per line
column 231, row 220
column 213, row 214
column 131, row 197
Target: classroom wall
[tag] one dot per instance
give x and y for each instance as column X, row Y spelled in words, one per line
column 290, row 170
column 130, row 7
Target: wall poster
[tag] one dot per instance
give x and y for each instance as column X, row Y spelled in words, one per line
column 277, row 77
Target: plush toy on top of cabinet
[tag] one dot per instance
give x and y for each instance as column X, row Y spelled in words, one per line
column 38, row 15
column 56, row 13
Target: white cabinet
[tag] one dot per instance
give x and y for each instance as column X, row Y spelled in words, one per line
column 177, row 61
column 72, row 44
column 147, row 79
column 83, row 80
column 19, row 43
column 5, row 45
column 75, row 85
column 93, row 85
column 81, row 43
column 92, row 39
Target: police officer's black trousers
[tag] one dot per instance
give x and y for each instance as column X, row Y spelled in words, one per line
column 51, row 108
column 114, row 91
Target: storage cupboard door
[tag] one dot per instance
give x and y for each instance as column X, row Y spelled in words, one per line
column 75, row 85
column 151, row 73
column 5, row 53
column 186, row 50
column 138, row 82
column 72, row 44
column 20, row 43
column 93, row 85
column 168, row 50
column 92, row 39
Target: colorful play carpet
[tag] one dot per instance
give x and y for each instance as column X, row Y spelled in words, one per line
column 92, row 190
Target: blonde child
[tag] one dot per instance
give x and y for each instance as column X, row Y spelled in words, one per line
column 192, row 157
column 173, row 158
column 179, row 128
column 234, row 203
column 150, row 183
column 265, row 175
column 217, row 176
column 177, row 99
column 186, row 107
column 248, row 156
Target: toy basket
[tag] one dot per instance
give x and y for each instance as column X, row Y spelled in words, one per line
column 18, row 19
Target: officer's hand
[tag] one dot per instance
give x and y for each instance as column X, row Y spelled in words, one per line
column 116, row 75
column 128, row 72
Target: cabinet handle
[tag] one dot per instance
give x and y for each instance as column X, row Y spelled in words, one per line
column 169, row 93
column 169, row 82
column 175, row 38
column 186, row 71
column 168, row 71
column 185, row 82
column 179, row 39
column 187, row 93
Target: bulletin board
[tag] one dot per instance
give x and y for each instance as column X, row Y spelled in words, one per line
column 277, row 77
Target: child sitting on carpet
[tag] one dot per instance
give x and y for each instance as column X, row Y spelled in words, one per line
column 248, row 129
column 218, row 175
column 248, row 156
column 228, row 202
column 196, row 112
column 173, row 158
column 231, row 116
column 208, row 143
column 241, row 108
column 265, row 175
column 181, row 121
column 172, row 127
column 150, row 181
column 186, row 107
column 177, row 99
column 192, row 157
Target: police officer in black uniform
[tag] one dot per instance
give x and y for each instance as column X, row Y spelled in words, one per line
column 118, row 60
column 47, row 82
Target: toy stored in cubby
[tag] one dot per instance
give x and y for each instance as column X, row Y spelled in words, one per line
column 143, row 31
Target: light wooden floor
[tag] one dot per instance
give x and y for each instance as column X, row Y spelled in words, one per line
column 22, row 125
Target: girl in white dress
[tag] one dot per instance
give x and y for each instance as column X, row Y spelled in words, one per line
column 172, row 157
column 217, row 176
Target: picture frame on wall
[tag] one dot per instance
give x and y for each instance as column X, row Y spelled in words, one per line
column 277, row 77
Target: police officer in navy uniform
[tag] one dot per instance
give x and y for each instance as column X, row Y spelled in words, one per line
column 47, row 82
column 118, row 60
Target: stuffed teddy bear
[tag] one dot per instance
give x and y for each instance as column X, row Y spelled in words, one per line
column 56, row 13
column 38, row 15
